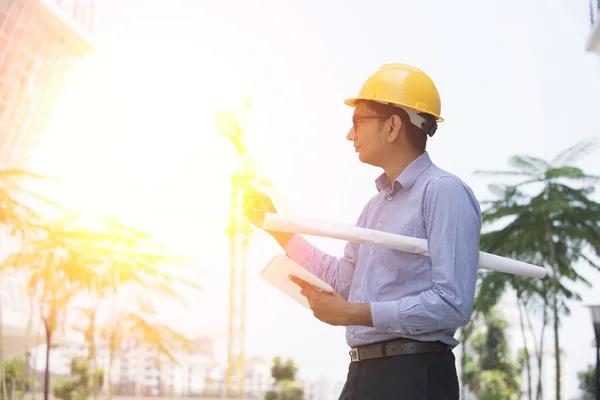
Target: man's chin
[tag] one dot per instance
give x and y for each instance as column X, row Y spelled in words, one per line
column 367, row 160
column 363, row 158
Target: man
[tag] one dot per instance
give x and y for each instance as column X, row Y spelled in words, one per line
column 401, row 310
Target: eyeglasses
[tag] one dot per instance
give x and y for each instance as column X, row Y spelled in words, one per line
column 357, row 119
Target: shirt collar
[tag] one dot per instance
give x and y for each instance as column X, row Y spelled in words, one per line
column 409, row 176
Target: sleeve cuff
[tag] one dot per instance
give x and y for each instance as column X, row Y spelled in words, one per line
column 298, row 249
column 383, row 315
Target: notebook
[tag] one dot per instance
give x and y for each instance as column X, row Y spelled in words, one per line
column 276, row 273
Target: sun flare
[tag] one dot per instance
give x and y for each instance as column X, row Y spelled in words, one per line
column 134, row 137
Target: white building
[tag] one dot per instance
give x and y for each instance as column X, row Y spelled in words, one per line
column 37, row 42
column 139, row 371
column 143, row 372
column 61, row 358
column 192, row 375
column 258, row 377
column 323, row 389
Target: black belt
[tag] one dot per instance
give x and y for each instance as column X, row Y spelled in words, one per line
column 396, row 348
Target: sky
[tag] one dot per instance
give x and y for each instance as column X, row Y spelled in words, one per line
column 133, row 135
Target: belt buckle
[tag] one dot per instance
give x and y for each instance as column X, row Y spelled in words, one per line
column 354, row 355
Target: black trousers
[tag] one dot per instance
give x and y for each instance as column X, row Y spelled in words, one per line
column 423, row 376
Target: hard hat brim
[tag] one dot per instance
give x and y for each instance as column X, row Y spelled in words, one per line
column 352, row 102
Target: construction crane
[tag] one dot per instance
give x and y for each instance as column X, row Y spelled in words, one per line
column 228, row 124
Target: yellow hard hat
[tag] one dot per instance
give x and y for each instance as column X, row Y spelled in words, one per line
column 401, row 85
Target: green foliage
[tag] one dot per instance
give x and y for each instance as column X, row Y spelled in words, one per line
column 69, row 255
column 490, row 371
column 64, row 388
column 281, row 371
column 495, row 387
column 587, row 382
column 290, row 390
column 98, row 258
column 17, row 377
column 285, row 387
column 271, row 395
column 547, row 219
column 100, row 374
column 79, row 385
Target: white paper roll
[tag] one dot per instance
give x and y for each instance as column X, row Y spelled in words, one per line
column 279, row 223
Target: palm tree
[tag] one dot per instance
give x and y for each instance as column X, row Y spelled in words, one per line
column 549, row 218
column 119, row 258
column 18, row 216
column 52, row 272
column 57, row 266
column 134, row 318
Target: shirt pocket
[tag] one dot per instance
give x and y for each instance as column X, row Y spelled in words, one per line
column 395, row 261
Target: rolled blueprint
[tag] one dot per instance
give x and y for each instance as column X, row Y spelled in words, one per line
column 279, row 223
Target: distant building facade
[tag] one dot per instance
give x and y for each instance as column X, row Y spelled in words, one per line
column 38, row 40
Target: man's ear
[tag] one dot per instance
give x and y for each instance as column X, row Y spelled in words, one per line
column 395, row 127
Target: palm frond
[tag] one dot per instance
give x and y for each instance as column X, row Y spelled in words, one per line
column 591, row 262
column 491, row 286
column 575, row 152
column 571, row 173
column 533, row 166
column 16, row 173
column 156, row 335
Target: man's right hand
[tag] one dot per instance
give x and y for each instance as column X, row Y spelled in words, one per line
column 256, row 205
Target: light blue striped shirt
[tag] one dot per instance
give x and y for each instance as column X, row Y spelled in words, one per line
column 412, row 296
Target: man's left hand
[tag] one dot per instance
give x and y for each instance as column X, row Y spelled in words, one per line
column 332, row 308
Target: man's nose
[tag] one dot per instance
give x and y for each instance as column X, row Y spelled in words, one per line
column 351, row 134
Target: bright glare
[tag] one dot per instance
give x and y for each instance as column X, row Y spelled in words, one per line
column 134, row 137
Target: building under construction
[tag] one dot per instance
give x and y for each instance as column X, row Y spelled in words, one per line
column 38, row 41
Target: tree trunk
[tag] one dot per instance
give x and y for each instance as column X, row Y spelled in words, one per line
column 95, row 377
column 2, row 369
column 47, row 370
column 107, row 375
column 37, row 343
column 112, row 340
column 540, row 391
column 556, row 341
column 92, row 356
column 527, row 361
column 554, row 308
column 27, row 349
column 463, row 361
